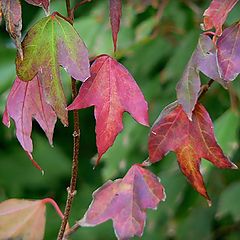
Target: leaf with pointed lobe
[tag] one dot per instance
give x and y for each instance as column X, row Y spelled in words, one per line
column 50, row 43
column 216, row 14
column 203, row 59
column 190, row 140
column 12, row 13
column 41, row 3
column 112, row 90
column 22, row 219
column 125, row 201
column 228, row 52
column 115, row 18
column 1, row 13
column 26, row 101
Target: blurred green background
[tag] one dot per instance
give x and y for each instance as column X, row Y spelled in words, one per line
column 155, row 43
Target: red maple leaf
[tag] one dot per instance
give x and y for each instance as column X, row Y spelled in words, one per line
column 217, row 13
column 115, row 17
column 125, row 202
column 26, row 101
column 190, row 140
column 112, row 90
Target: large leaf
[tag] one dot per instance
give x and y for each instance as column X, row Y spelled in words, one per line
column 41, row 3
column 12, row 13
column 216, row 14
column 50, row 43
column 115, row 17
column 228, row 47
column 26, row 101
column 203, row 59
column 190, row 140
column 125, row 202
column 112, row 90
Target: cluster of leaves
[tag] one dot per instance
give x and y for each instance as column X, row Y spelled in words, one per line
column 184, row 126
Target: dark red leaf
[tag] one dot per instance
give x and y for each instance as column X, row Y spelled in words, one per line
column 26, row 101
column 203, row 59
column 125, row 202
column 115, row 17
column 41, row 3
column 112, row 90
column 216, row 14
column 191, row 140
column 12, row 13
column 228, row 47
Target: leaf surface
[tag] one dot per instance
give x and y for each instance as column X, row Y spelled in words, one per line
column 115, row 18
column 26, row 101
column 203, row 59
column 49, row 44
column 190, row 140
column 22, row 219
column 112, row 90
column 12, row 13
column 41, row 3
column 228, row 47
column 216, row 14
column 125, row 202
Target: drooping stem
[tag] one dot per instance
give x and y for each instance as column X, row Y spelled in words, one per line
column 76, row 142
column 204, row 88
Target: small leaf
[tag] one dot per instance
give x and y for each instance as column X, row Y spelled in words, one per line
column 203, row 59
column 112, row 90
column 125, row 202
column 41, row 3
column 50, row 43
column 26, row 101
column 12, row 13
column 228, row 48
column 115, row 17
column 22, row 219
column 216, row 14
column 190, row 140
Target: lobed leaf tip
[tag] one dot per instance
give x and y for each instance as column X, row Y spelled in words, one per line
column 234, row 166
column 209, row 203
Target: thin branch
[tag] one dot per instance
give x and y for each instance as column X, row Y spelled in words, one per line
column 68, row 7
column 204, row 88
column 72, row 230
column 80, row 4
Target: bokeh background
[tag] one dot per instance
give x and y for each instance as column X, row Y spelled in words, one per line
column 156, row 41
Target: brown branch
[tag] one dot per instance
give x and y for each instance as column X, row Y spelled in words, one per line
column 80, row 4
column 204, row 88
column 72, row 230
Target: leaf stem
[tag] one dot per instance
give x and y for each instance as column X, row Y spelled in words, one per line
column 80, row 4
column 204, row 88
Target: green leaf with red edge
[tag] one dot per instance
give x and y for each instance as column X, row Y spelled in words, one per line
column 203, row 59
column 41, row 3
column 25, row 102
column 50, row 43
column 228, row 52
column 190, row 140
column 24, row 219
column 12, row 13
column 125, row 201
column 115, row 18
column 216, row 14
column 112, row 90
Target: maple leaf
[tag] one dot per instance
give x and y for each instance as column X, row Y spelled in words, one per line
column 228, row 48
column 26, row 101
column 112, row 90
column 216, row 14
column 41, row 3
column 190, row 140
column 115, row 17
column 50, row 43
column 203, row 59
column 12, row 13
column 125, row 202
column 24, row 219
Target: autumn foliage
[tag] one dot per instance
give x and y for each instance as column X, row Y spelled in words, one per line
column 183, row 127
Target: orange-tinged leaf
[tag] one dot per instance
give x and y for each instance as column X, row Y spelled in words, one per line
column 22, row 219
column 12, row 13
column 125, row 201
column 191, row 140
column 216, row 14
column 112, row 90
